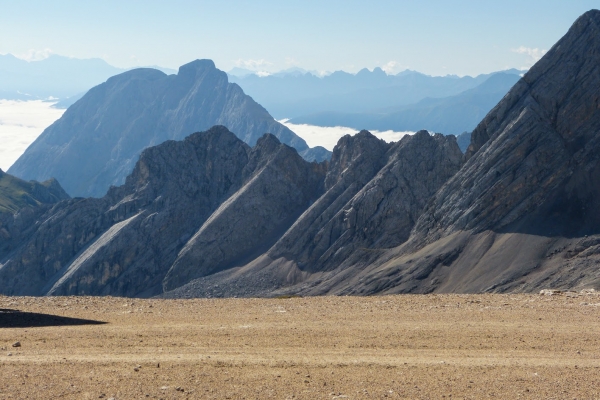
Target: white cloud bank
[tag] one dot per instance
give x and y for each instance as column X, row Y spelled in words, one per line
column 35, row 55
column 253, row 65
column 533, row 55
column 329, row 136
column 393, row 67
column 21, row 122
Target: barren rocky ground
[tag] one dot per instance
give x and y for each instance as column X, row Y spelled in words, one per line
column 410, row 346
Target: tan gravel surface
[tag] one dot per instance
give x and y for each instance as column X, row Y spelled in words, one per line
column 414, row 346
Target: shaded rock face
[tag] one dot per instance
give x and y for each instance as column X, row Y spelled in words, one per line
column 211, row 204
column 535, row 155
column 524, row 211
column 355, row 161
column 250, row 221
column 210, row 216
column 126, row 242
column 376, row 192
column 98, row 140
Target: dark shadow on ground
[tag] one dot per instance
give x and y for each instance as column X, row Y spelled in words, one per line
column 21, row 319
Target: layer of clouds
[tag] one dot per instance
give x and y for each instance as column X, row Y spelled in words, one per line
column 35, row 55
column 21, row 122
column 329, row 136
column 253, row 65
column 393, row 67
column 533, row 55
column 291, row 62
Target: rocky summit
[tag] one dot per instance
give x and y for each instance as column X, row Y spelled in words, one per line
column 98, row 140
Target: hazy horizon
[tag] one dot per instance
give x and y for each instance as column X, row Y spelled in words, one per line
column 437, row 38
column 258, row 72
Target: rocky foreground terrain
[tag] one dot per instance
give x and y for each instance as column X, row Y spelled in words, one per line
column 398, row 347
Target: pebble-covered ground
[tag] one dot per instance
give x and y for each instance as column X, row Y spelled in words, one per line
column 410, row 346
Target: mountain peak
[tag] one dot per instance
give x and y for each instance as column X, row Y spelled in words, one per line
column 268, row 140
column 531, row 180
column 569, row 66
column 591, row 15
column 192, row 68
column 137, row 109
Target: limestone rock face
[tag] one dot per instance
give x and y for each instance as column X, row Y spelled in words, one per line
column 535, row 155
column 211, row 204
column 524, row 211
column 211, row 216
column 278, row 186
column 355, row 161
column 521, row 214
column 209, row 185
column 125, row 242
column 98, row 140
column 376, row 193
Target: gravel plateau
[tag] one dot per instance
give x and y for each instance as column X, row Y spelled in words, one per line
column 404, row 346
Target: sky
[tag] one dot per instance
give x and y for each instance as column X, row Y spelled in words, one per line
column 462, row 37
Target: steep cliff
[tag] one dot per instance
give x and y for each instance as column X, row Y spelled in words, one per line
column 374, row 194
column 524, row 211
column 127, row 241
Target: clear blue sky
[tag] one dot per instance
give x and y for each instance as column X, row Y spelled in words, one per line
column 464, row 37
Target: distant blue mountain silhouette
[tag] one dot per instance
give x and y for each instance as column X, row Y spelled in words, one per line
column 297, row 94
column 56, row 76
column 448, row 115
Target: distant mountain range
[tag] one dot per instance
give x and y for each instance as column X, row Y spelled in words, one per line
column 451, row 115
column 54, row 77
column 369, row 99
column 293, row 95
column 97, row 141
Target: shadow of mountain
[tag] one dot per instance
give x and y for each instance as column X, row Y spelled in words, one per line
column 21, row 319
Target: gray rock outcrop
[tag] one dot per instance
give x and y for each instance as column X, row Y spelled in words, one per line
column 523, row 212
column 374, row 194
column 210, row 216
column 126, row 242
column 278, row 187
